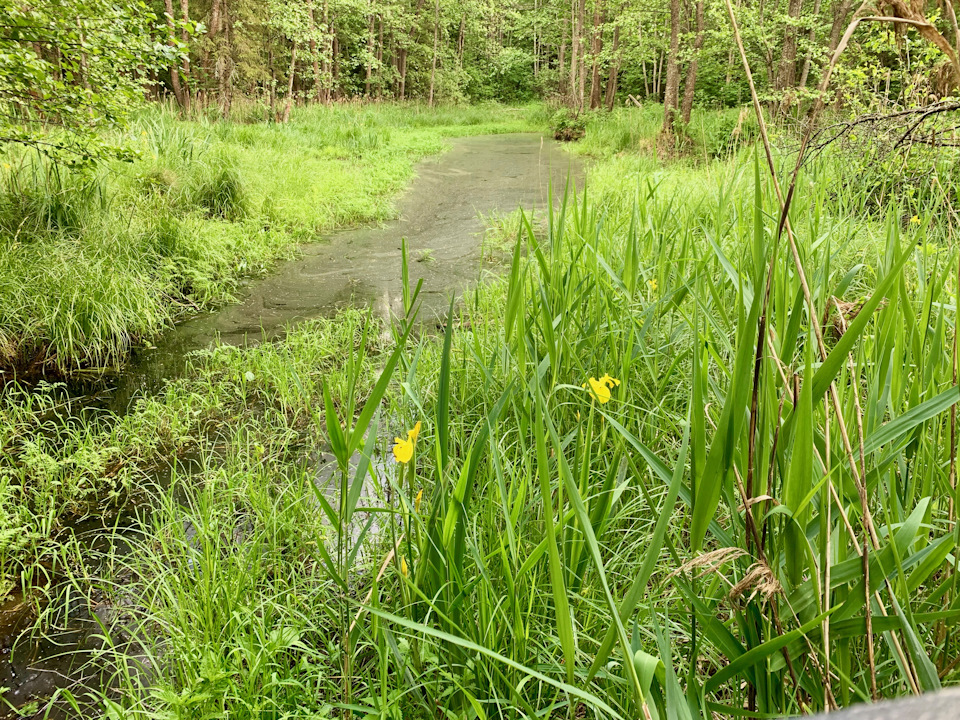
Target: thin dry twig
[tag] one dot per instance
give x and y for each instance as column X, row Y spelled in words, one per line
column 383, row 569
column 784, row 227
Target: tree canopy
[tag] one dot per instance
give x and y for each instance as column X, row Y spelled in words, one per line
column 82, row 64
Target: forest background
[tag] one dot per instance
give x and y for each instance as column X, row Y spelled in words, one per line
column 256, row 60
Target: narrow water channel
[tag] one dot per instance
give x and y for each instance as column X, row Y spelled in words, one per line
column 441, row 217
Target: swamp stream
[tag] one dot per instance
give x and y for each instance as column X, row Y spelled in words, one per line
column 442, row 216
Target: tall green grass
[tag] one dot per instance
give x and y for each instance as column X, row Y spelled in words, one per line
column 736, row 531
column 710, row 134
column 691, row 546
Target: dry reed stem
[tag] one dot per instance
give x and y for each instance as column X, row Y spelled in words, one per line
column 383, row 569
column 784, row 225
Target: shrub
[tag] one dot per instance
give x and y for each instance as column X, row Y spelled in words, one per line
column 219, row 191
column 39, row 199
column 567, row 125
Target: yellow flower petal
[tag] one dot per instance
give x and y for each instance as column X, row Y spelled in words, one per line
column 599, row 390
column 402, row 450
column 609, row 381
column 412, row 435
column 416, row 503
column 403, row 566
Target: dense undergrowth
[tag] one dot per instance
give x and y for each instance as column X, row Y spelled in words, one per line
column 94, row 262
column 615, row 505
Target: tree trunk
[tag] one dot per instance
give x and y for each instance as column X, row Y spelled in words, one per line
column 574, row 49
column 225, row 63
column 185, row 39
column 293, row 70
column 208, row 56
column 380, row 59
column 335, row 64
column 582, row 72
column 174, row 72
column 665, row 143
column 561, row 60
column 658, row 76
column 841, row 10
column 84, row 62
column 787, row 74
column 402, row 53
column 370, row 41
column 595, row 50
column 273, row 86
column 436, row 49
column 461, row 40
column 808, row 60
column 690, row 82
column 327, row 62
column 614, row 70
column 314, row 54
column 536, row 40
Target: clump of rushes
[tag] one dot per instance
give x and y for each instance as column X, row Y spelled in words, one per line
column 747, row 522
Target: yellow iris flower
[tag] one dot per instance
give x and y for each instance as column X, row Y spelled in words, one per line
column 403, row 566
column 600, row 389
column 403, row 449
column 416, row 503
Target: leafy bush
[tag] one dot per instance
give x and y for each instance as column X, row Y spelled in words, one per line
column 567, row 125
column 219, row 192
column 726, row 132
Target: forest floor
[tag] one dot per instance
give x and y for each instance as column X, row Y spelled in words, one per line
column 386, row 518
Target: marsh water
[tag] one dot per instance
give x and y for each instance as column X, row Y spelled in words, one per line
column 442, row 218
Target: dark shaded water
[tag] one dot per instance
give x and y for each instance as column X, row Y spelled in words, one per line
column 441, row 218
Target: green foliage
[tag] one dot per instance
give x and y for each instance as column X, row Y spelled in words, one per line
column 95, row 263
column 220, row 191
column 43, row 199
column 568, row 125
column 70, row 69
column 727, row 132
column 543, row 551
column 914, row 175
